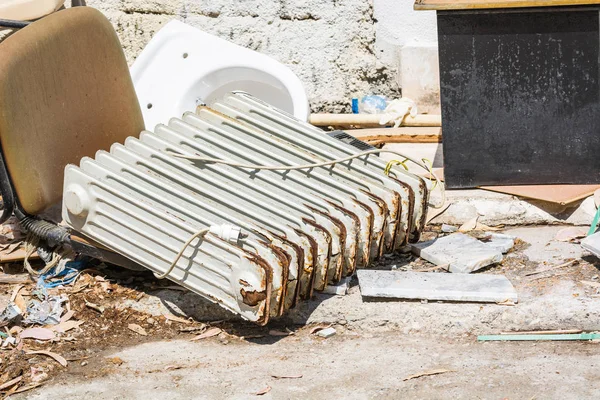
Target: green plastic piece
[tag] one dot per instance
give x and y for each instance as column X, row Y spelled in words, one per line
column 3, row 335
column 594, row 223
column 512, row 338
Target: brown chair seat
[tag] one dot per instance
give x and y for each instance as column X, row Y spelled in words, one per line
column 65, row 93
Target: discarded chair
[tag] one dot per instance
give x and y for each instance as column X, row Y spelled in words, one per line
column 289, row 211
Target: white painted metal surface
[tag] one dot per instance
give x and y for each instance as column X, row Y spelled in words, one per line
column 300, row 229
column 182, row 65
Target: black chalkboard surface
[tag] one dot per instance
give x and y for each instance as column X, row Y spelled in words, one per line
column 520, row 96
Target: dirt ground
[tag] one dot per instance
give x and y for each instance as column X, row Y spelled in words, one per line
column 350, row 365
column 135, row 339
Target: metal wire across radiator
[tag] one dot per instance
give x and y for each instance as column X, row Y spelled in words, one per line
column 275, row 236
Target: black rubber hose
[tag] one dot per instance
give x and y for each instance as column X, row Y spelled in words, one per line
column 8, row 199
column 9, row 23
column 48, row 231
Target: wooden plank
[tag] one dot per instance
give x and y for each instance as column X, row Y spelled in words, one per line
column 371, row 120
column 399, row 135
column 486, row 4
column 15, row 278
column 17, row 255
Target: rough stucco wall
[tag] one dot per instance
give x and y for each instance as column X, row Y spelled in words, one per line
column 329, row 44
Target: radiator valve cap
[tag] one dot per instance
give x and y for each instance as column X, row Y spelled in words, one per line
column 76, row 200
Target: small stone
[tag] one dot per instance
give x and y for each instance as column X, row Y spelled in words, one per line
column 340, row 289
column 326, row 333
column 449, row 228
column 84, row 363
column 500, row 242
column 151, row 321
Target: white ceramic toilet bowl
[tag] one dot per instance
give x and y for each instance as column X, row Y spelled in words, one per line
column 182, row 67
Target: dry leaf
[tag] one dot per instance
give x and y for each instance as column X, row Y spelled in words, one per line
column 209, row 333
column 567, row 264
column 570, row 234
column 37, row 333
column 172, row 367
column 10, row 383
column 266, row 390
column 318, row 328
column 469, row 225
column 175, row 318
column 20, row 302
column 116, row 360
column 106, row 286
column 11, row 248
column 28, row 387
column 137, row 329
column 428, row 373
column 286, row 376
column 483, row 227
column 68, row 315
column 16, row 291
column 66, row 326
column 93, row 306
column 192, row 328
column 57, row 357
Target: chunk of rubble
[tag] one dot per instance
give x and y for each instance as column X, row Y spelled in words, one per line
column 500, row 241
column 592, row 244
column 326, row 333
column 449, row 228
column 340, row 289
column 462, row 253
column 436, row 287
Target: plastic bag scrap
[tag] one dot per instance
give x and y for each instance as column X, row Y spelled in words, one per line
column 373, row 104
column 45, row 309
column 45, row 312
column 63, row 274
column 48, row 309
column 397, row 110
column 10, row 314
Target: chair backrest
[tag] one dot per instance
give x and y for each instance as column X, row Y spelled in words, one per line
column 65, row 93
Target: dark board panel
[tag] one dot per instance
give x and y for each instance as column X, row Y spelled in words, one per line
column 520, row 97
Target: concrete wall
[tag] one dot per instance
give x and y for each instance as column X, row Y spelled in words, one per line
column 339, row 48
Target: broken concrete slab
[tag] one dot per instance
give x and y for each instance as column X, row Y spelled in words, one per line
column 462, row 253
column 340, row 289
column 436, row 286
column 500, row 242
column 592, row 244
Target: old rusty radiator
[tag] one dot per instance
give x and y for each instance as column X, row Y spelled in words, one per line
column 274, row 235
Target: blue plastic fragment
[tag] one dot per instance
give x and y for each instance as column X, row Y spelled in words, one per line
column 69, row 273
